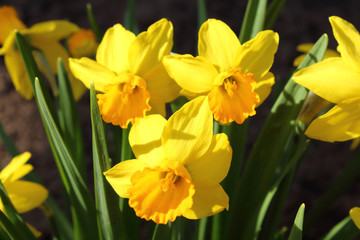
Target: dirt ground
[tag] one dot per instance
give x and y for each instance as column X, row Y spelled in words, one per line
column 300, row 21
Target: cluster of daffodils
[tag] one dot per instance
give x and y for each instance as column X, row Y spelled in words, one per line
column 179, row 162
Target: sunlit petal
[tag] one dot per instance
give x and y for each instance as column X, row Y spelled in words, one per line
column 17, row 168
column 218, row 43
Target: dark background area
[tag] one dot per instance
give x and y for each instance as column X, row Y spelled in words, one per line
column 300, row 21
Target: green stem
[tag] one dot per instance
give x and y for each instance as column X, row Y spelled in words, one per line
column 202, row 13
column 202, row 228
column 93, row 23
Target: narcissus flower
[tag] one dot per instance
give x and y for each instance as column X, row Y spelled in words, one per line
column 82, row 43
column 24, row 195
column 337, row 80
column 129, row 73
column 355, row 216
column 44, row 37
column 179, row 166
column 235, row 76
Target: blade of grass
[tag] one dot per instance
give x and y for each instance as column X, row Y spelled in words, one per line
column 202, row 13
column 109, row 216
column 129, row 17
column 297, row 229
column 84, row 212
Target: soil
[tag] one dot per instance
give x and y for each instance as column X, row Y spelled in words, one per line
column 300, row 21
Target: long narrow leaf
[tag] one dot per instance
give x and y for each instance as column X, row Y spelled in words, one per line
column 297, row 229
column 80, row 197
column 69, row 120
column 267, row 153
column 273, row 12
column 109, row 216
column 253, row 20
column 345, row 229
column 93, row 23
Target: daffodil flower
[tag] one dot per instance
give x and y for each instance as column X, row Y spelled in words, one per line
column 337, row 80
column 129, row 74
column 234, row 76
column 45, row 37
column 179, row 166
column 24, row 195
column 82, row 43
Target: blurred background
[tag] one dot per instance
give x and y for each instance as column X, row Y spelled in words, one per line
column 300, row 21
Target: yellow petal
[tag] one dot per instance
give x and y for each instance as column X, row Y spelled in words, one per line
column 257, row 55
column 196, row 75
column 114, row 49
column 8, row 22
column 18, row 74
column 124, row 102
column 149, row 47
column 338, row 124
column 214, row 165
column 17, row 168
column 157, row 106
column 332, row 79
column 119, row 176
column 208, row 200
column 145, row 138
column 263, row 86
column 54, row 30
column 349, row 40
column 88, row 71
column 188, row 133
column 355, row 216
column 219, row 44
column 234, row 99
column 161, row 194
column 25, row 195
column 160, row 85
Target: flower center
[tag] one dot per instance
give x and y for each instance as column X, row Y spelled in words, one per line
column 125, row 101
column 169, row 181
column 234, row 98
column 161, row 193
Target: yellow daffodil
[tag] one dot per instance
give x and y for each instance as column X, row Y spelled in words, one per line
column 179, row 166
column 24, row 195
column 306, row 47
column 337, row 80
column 45, row 37
column 355, row 216
column 129, row 74
column 82, row 43
column 235, row 76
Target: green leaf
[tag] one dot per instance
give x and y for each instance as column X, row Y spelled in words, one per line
column 202, row 13
column 253, row 21
column 297, row 229
column 267, row 155
column 14, row 218
column 8, row 143
column 178, row 103
column 93, row 23
column 273, row 12
column 69, row 120
column 109, row 216
column 345, row 229
column 84, row 211
column 34, row 72
column 130, row 17
column 162, row 232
